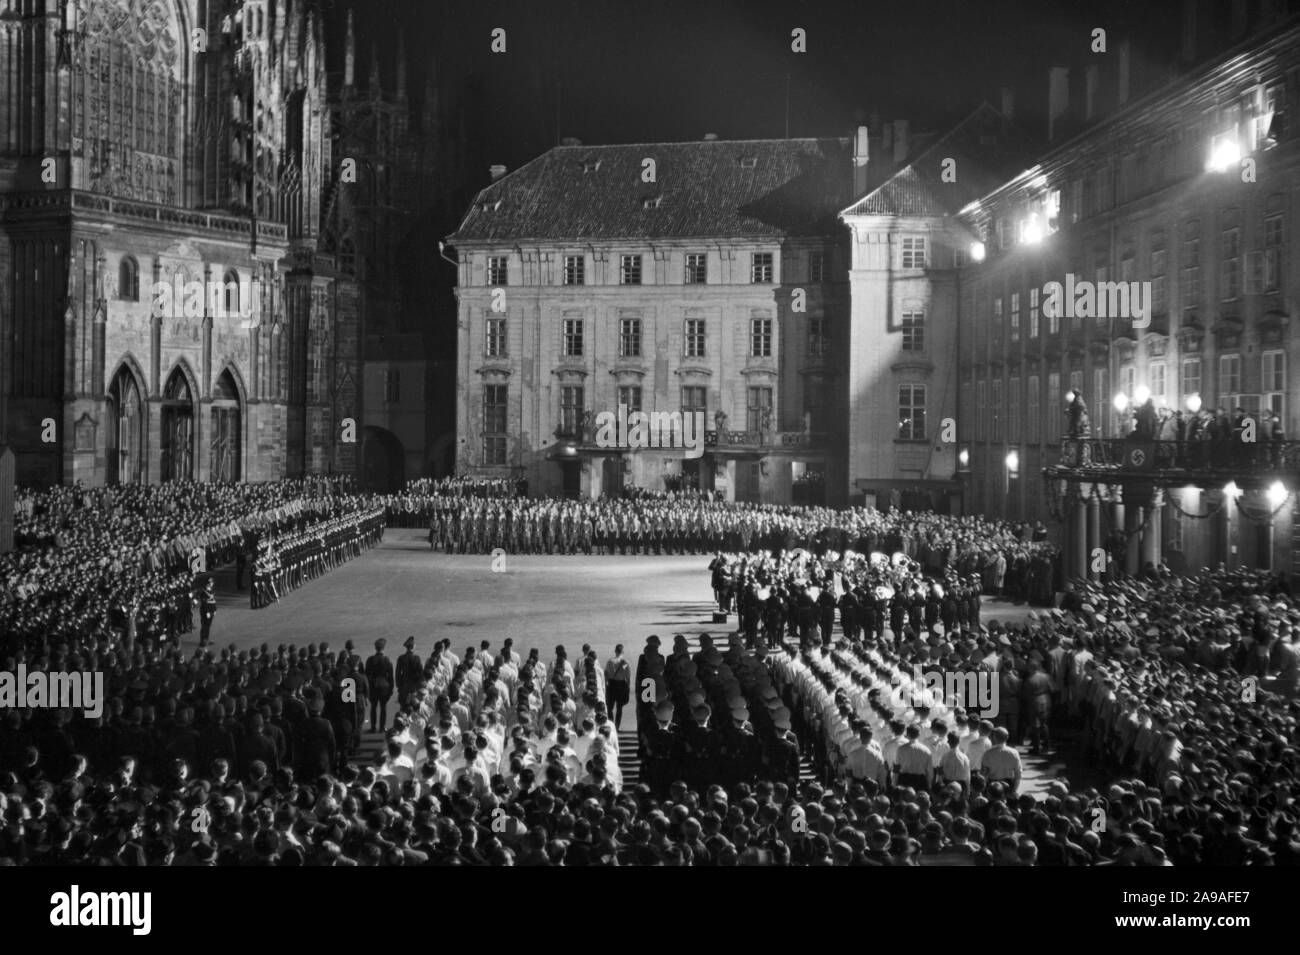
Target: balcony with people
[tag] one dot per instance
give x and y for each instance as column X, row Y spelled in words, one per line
column 1197, row 445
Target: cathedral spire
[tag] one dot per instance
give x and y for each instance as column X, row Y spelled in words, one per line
column 374, row 71
column 429, row 111
column 401, row 70
column 350, row 56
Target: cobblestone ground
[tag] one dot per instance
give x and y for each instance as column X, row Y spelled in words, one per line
column 402, row 589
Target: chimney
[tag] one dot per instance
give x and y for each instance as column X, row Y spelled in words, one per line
column 1125, row 62
column 1008, row 103
column 1058, row 99
column 1091, row 77
column 861, row 158
column 497, row 171
column 901, row 141
column 887, row 139
column 710, row 137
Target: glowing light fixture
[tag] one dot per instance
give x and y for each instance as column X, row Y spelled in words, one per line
column 1276, row 493
column 1225, row 153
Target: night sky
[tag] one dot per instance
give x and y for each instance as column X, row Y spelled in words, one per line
column 627, row 71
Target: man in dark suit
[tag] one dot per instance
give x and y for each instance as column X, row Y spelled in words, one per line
column 379, row 673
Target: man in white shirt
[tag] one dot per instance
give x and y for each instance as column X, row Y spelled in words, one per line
column 867, row 761
column 398, row 767
column 890, row 747
column 978, row 745
column 1001, row 764
column 954, row 765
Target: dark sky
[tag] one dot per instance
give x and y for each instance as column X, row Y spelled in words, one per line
column 647, row 70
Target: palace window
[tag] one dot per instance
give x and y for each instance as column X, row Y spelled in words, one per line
column 911, row 412
column 494, row 424
column 694, row 338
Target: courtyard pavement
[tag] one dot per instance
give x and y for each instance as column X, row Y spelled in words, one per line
column 401, row 589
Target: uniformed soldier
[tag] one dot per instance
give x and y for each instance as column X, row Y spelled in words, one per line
column 207, row 611
column 379, row 674
column 661, row 748
column 410, row 671
column 826, row 604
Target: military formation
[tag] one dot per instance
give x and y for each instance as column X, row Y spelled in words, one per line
column 285, row 562
column 711, row 717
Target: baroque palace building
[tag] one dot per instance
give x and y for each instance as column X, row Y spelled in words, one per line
column 822, row 357
column 699, row 277
column 172, row 141
column 1186, row 197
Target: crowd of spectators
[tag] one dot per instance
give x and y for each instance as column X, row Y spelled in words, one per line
column 127, row 557
column 1180, row 692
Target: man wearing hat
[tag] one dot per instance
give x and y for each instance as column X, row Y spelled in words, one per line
column 207, row 610
column 379, row 673
column 410, row 671
column 661, row 748
column 699, row 745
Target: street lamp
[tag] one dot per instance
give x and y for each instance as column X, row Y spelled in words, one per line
column 1069, row 397
column 1013, row 463
column 963, row 458
column 977, row 251
column 1231, row 490
column 1121, row 402
column 1277, row 493
column 1194, row 403
column 1141, row 394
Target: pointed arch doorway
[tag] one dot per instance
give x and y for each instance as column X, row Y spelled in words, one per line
column 177, row 458
column 227, row 430
column 125, row 457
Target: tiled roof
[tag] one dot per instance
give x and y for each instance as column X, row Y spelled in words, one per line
column 766, row 188
column 987, row 151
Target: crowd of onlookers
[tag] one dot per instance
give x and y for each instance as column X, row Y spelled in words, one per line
column 1182, row 693
column 128, row 557
column 1178, row 697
